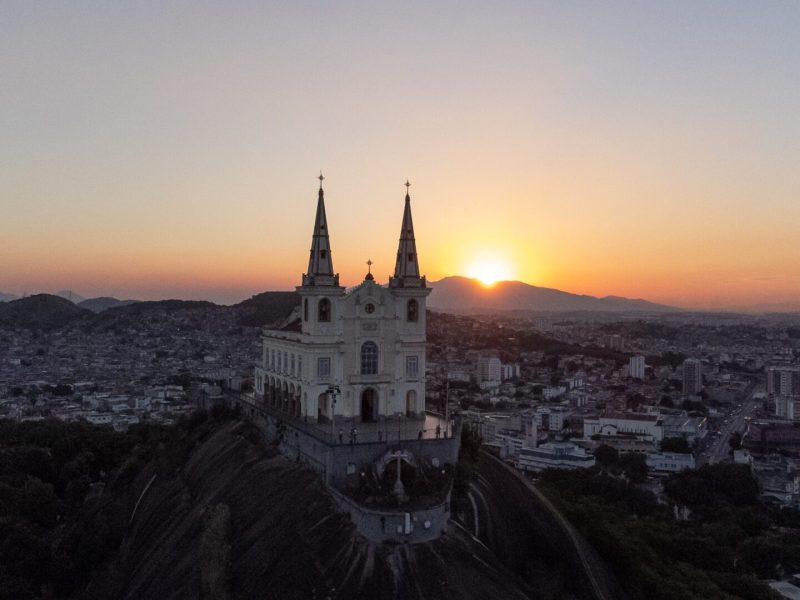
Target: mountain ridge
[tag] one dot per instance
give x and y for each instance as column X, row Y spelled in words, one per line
column 97, row 305
column 465, row 294
column 50, row 312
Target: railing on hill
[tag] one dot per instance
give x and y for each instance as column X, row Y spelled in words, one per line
column 357, row 433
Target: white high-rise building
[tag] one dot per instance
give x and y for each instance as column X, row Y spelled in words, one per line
column 509, row 371
column 692, row 376
column 615, row 342
column 783, row 381
column 636, row 367
column 787, row 407
column 489, row 370
column 358, row 353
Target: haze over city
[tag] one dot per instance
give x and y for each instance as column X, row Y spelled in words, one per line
column 647, row 151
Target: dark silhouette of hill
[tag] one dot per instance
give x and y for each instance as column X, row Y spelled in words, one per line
column 97, row 305
column 463, row 294
column 134, row 315
column 7, row 297
column 52, row 312
column 266, row 308
column 70, row 295
column 42, row 311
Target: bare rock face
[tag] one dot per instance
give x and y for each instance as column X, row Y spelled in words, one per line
column 240, row 521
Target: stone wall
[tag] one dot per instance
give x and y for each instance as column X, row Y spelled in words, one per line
column 412, row 527
column 340, row 463
column 336, row 461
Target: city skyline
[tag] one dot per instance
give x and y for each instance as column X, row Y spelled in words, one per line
column 636, row 151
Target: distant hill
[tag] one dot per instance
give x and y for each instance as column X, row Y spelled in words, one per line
column 131, row 315
column 463, row 294
column 266, row 308
column 97, row 305
column 42, row 311
column 7, row 297
column 70, row 295
column 47, row 311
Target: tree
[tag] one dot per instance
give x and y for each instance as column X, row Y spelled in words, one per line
column 694, row 406
column 635, row 467
column 676, row 444
column 666, row 401
column 606, row 455
column 735, row 441
column 634, row 401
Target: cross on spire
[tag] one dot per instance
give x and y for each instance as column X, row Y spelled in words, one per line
column 406, row 270
column 320, row 264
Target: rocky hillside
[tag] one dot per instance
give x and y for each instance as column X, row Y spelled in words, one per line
column 239, row 521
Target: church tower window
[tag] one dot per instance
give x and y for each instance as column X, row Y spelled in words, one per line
column 323, row 367
column 369, row 358
column 305, row 309
column 412, row 366
column 324, row 311
column 412, row 311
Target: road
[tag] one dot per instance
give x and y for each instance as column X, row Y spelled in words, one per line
column 736, row 421
column 524, row 530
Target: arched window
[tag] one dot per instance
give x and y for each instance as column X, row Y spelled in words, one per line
column 369, row 358
column 324, row 311
column 412, row 311
column 305, row 309
column 411, row 403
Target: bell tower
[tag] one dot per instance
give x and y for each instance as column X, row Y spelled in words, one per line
column 320, row 284
column 320, row 262
column 406, row 268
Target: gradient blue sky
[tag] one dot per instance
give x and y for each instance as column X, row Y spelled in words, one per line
column 640, row 149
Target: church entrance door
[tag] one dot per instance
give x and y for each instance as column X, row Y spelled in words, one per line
column 369, row 405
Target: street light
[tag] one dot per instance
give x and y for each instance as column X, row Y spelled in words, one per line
column 333, row 391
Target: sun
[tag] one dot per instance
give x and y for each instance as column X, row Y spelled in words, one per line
column 489, row 271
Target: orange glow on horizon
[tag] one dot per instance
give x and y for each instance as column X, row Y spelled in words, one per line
column 489, row 271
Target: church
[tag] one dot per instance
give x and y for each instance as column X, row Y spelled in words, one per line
column 350, row 356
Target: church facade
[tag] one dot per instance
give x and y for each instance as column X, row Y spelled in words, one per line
column 350, row 355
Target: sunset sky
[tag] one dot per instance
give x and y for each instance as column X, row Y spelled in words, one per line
column 154, row 150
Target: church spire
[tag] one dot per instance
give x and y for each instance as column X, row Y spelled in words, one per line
column 320, row 263
column 406, row 269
